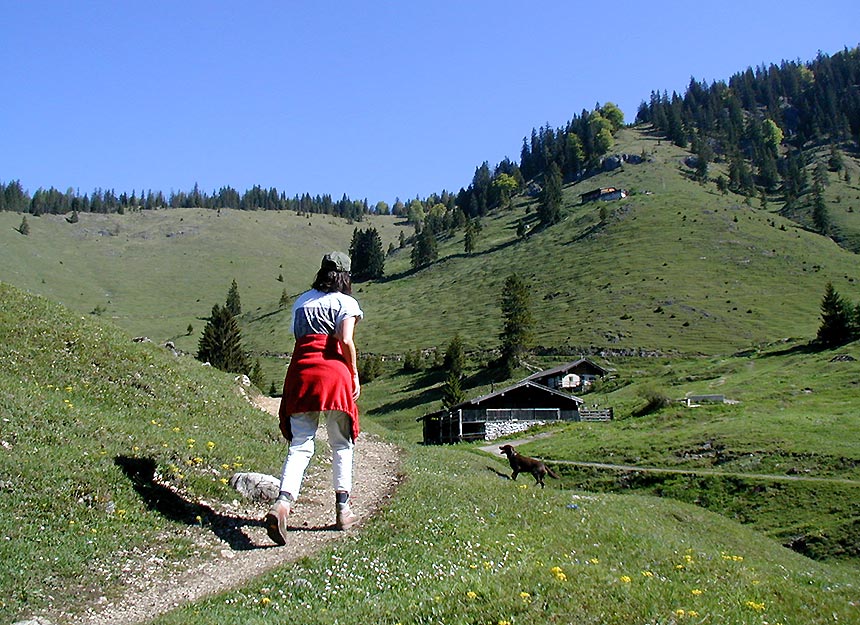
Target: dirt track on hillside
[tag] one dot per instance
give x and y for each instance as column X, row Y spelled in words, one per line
column 236, row 548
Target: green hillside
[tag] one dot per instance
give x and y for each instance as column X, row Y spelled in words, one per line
column 155, row 272
column 674, row 267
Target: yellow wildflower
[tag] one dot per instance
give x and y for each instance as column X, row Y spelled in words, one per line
column 753, row 605
column 558, row 573
column 625, row 579
column 647, row 574
column 471, row 595
column 696, row 592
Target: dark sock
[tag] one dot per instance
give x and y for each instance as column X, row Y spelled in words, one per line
column 341, row 497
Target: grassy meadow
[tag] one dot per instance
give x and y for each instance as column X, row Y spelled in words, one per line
column 463, row 545
column 154, row 273
column 678, row 289
column 83, row 406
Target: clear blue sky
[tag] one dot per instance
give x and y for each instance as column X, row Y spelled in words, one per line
column 376, row 99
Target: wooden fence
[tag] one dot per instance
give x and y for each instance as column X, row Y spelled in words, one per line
column 595, row 414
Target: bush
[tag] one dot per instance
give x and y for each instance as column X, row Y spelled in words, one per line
column 369, row 368
column 655, row 399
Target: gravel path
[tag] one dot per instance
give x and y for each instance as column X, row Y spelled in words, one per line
column 239, row 547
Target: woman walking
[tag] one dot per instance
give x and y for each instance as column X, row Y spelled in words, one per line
column 321, row 382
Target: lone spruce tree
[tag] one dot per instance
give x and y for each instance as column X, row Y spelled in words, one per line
column 517, row 328
column 365, row 251
column 234, row 304
column 455, row 357
column 454, row 363
column 836, row 319
column 452, row 391
column 221, row 342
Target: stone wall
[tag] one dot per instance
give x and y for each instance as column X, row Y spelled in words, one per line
column 497, row 429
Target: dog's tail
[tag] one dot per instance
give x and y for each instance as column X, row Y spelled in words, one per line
column 552, row 473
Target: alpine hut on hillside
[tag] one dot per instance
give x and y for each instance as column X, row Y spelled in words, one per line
column 604, row 193
column 524, row 405
column 574, row 376
column 540, row 398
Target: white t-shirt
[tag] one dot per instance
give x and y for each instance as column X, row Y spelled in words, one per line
column 315, row 312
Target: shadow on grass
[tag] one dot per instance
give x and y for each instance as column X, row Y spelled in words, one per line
column 425, row 397
column 173, row 506
column 499, row 473
column 801, row 348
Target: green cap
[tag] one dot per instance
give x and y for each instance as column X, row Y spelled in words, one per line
column 337, row 261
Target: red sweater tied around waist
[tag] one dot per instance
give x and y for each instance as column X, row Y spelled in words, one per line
column 318, row 378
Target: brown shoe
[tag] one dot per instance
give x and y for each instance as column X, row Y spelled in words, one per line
column 276, row 521
column 344, row 517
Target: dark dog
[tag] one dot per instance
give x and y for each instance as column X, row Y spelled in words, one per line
column 524, row 464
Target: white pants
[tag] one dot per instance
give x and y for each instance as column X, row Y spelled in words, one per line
column 304, row 427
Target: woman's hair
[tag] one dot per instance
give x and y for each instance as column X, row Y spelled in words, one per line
column 331, row 281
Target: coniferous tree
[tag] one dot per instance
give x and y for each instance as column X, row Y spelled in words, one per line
column 469, row 237
column 256, row 375
column 365, row 251
column 234, row 305
column 836, row 319
column 425, row 250
column 517, row 327
column 522, row 229
column 820, row 216
column 369, row 368
column 835, row 162
column 221, row 342
column 24, row 228
column 284, row 301
column 452, row 391
column 455, row 356
column 549, row 209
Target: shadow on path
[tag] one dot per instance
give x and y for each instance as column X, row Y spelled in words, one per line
column 171, row 505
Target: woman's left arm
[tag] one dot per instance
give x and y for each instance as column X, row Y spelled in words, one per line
column 345, row 334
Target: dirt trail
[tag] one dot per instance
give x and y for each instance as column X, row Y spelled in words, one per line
column 240, row 547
